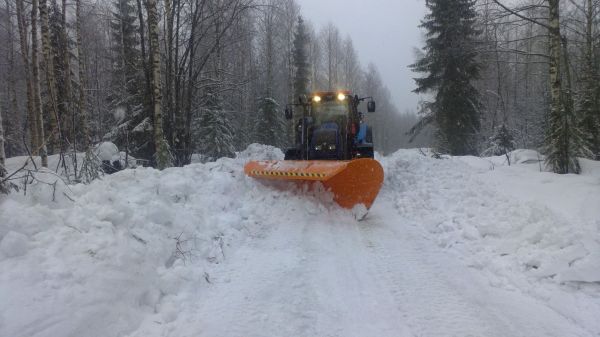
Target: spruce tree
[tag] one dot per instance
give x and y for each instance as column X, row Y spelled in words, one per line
column 450, row 64
column 589, row 112
column 501, row 143
column 133, row 118
column 270, row 126
column 301, row 65
column 126, row 58
column 216, row 136
column 589, row 106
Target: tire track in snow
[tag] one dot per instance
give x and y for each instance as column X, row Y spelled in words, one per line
column 261, row 291
column 300, row 279
column 352, row 298
column 415, row 281
column 439, row 296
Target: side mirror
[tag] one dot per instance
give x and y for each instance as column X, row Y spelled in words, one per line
column 371, row 106
column 288, row 113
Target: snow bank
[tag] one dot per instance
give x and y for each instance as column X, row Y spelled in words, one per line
column 260, row 152
column 105, row 151
column 129, row 246
column 534, row 231
column 528, row 226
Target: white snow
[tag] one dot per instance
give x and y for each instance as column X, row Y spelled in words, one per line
column 460, row 246
column 107, row 151
column 13, row 244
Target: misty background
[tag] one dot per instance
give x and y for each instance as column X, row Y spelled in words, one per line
column 385, row 32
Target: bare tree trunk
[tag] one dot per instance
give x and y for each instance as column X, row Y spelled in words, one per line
column 4, row 185
column 187, row 128
column 2, row 153
column 11, row 93
column 177, row 140
column 50, row 80
column 329, row 60
column 564, row 138
column 590, row 117
column 270, row 52
column 147, row 75
column 527, row 137
column 81, row 65
column 558, row 135
column 169, row 20
column 37, row 100
column 163, row 157
column 67, row 106
column 555, row 57
column 31, row 116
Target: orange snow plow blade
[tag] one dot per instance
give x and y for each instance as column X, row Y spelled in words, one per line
column 351, row 182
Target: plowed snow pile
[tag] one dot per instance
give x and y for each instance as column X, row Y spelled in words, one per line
column 205, row 251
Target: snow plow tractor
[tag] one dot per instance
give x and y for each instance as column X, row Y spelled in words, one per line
column 333, row 146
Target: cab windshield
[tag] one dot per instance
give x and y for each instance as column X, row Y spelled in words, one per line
column 329, row 111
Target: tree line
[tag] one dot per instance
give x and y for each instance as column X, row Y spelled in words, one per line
column 502, row 74
column 164, row 79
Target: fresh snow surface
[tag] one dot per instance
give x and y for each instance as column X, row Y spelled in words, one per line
column 460, row 246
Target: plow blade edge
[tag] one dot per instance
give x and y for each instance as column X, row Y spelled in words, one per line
column 351, row 182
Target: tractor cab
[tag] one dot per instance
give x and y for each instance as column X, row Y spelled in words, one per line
column 331, row 128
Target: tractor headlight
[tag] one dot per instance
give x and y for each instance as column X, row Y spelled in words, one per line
column 318, row 147
column 331, row 147
column 317, row 99
column 341, row 97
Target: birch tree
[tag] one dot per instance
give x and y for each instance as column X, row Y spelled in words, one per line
column 48, row 52
column 162, row 153
column 214, row 76
column 563, row 141
column 37, row 99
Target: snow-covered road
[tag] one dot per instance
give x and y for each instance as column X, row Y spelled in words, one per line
column 337, row 277
column 442, row 253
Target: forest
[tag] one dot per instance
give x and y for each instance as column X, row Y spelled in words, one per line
column 505, row 75
column 166, row 79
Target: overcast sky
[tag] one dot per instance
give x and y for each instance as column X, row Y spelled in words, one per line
column 384, row 32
